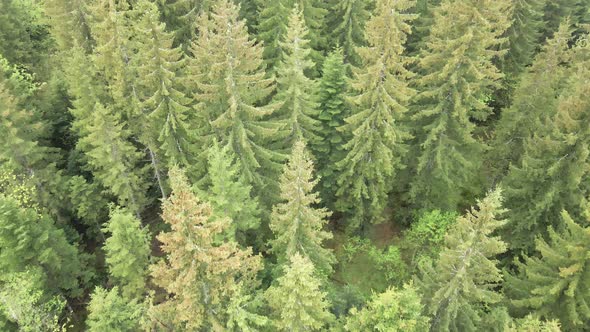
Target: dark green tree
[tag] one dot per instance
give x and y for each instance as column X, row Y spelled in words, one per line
column 332, row 91
column 346, row 27
column 381, row 93
column 272, row 26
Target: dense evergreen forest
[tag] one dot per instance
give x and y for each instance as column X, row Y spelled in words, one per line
column 295, row 165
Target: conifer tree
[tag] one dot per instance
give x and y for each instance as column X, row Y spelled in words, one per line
column 296, row 301
column 555, row 284
column 295, row 98
column 534, row 100
column 463, row 280
column 242, row 314
column 200, row 275
column 30, row 241
column 523, row 36
column 272, row 26
column 229, row 193
column 69, row 21
column 394, row 310
column 554, row 170
column 333, row 88
column 377, row 134
column 227, row 65
column 114, row 161
column 108, row 311
column 158, row 65
column 346, row 27
column 314, row 13
column 181, row 16
column 558, row 10
column 457, row 74
column 127, row 253
column 296, row 222
column 422, row 25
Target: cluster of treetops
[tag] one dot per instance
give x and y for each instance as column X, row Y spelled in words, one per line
column 182, row 165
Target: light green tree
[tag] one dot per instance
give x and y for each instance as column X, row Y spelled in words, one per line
column 109, row 311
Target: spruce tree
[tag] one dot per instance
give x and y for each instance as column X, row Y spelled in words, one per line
column 127, row 253
column 200, row 274
column 114, row 161
column 346, row 27
column 31, row 241
column 422, row 25
column 228, row 67
column 395, row 310
column 464, row 279
column 296, row 221
column 314, row 13
column 376, row 147
column 296, row 301
column 333, row 88
column 554, row 172
column 109, row 311
column 158, row 67
column 272, row 26
column 523, row 36
column 181, row 16
column 230, row 194
column 558, row 10
column 534, row 101
column 555, row 283
column 297, row 109
column 457, row 75
column 70, row 23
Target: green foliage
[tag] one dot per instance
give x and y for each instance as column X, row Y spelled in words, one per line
column 390, row 262
column 127, row 252
column 296, row 223
column 332, row 90
column 391, row 311
column 108, row 311
column 297, row 304
column 230, row 88
column 457, row 73
column 381, row 93
column 345, row 27
column 69, row 23
column 23, row 301
column 272, row 26
column 534, row 101
column 230, row 193
column 463, row 280
column 553, row 173
column 555, row 283
column 297, row 109
column 32, row 241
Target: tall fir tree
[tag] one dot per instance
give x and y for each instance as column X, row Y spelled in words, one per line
column 534, row 101
column 228, row 67
column 332, row 92
column 127, row 253
column 558, row 10
column 456, row 77
column 158, row 67
column 181, row 16
column 229, row 194
column 346, row 27
column 200, row 274
column 296, row 222
column 70, row 23
column 272, row 25
column 296, row 301
column 555, row 284
column 523, row 37
column 554, row 172
column 422, row 25
column 464, row 279
column 381, row 94
column 297, row 109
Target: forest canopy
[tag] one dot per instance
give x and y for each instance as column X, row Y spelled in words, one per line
column 295, row 165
